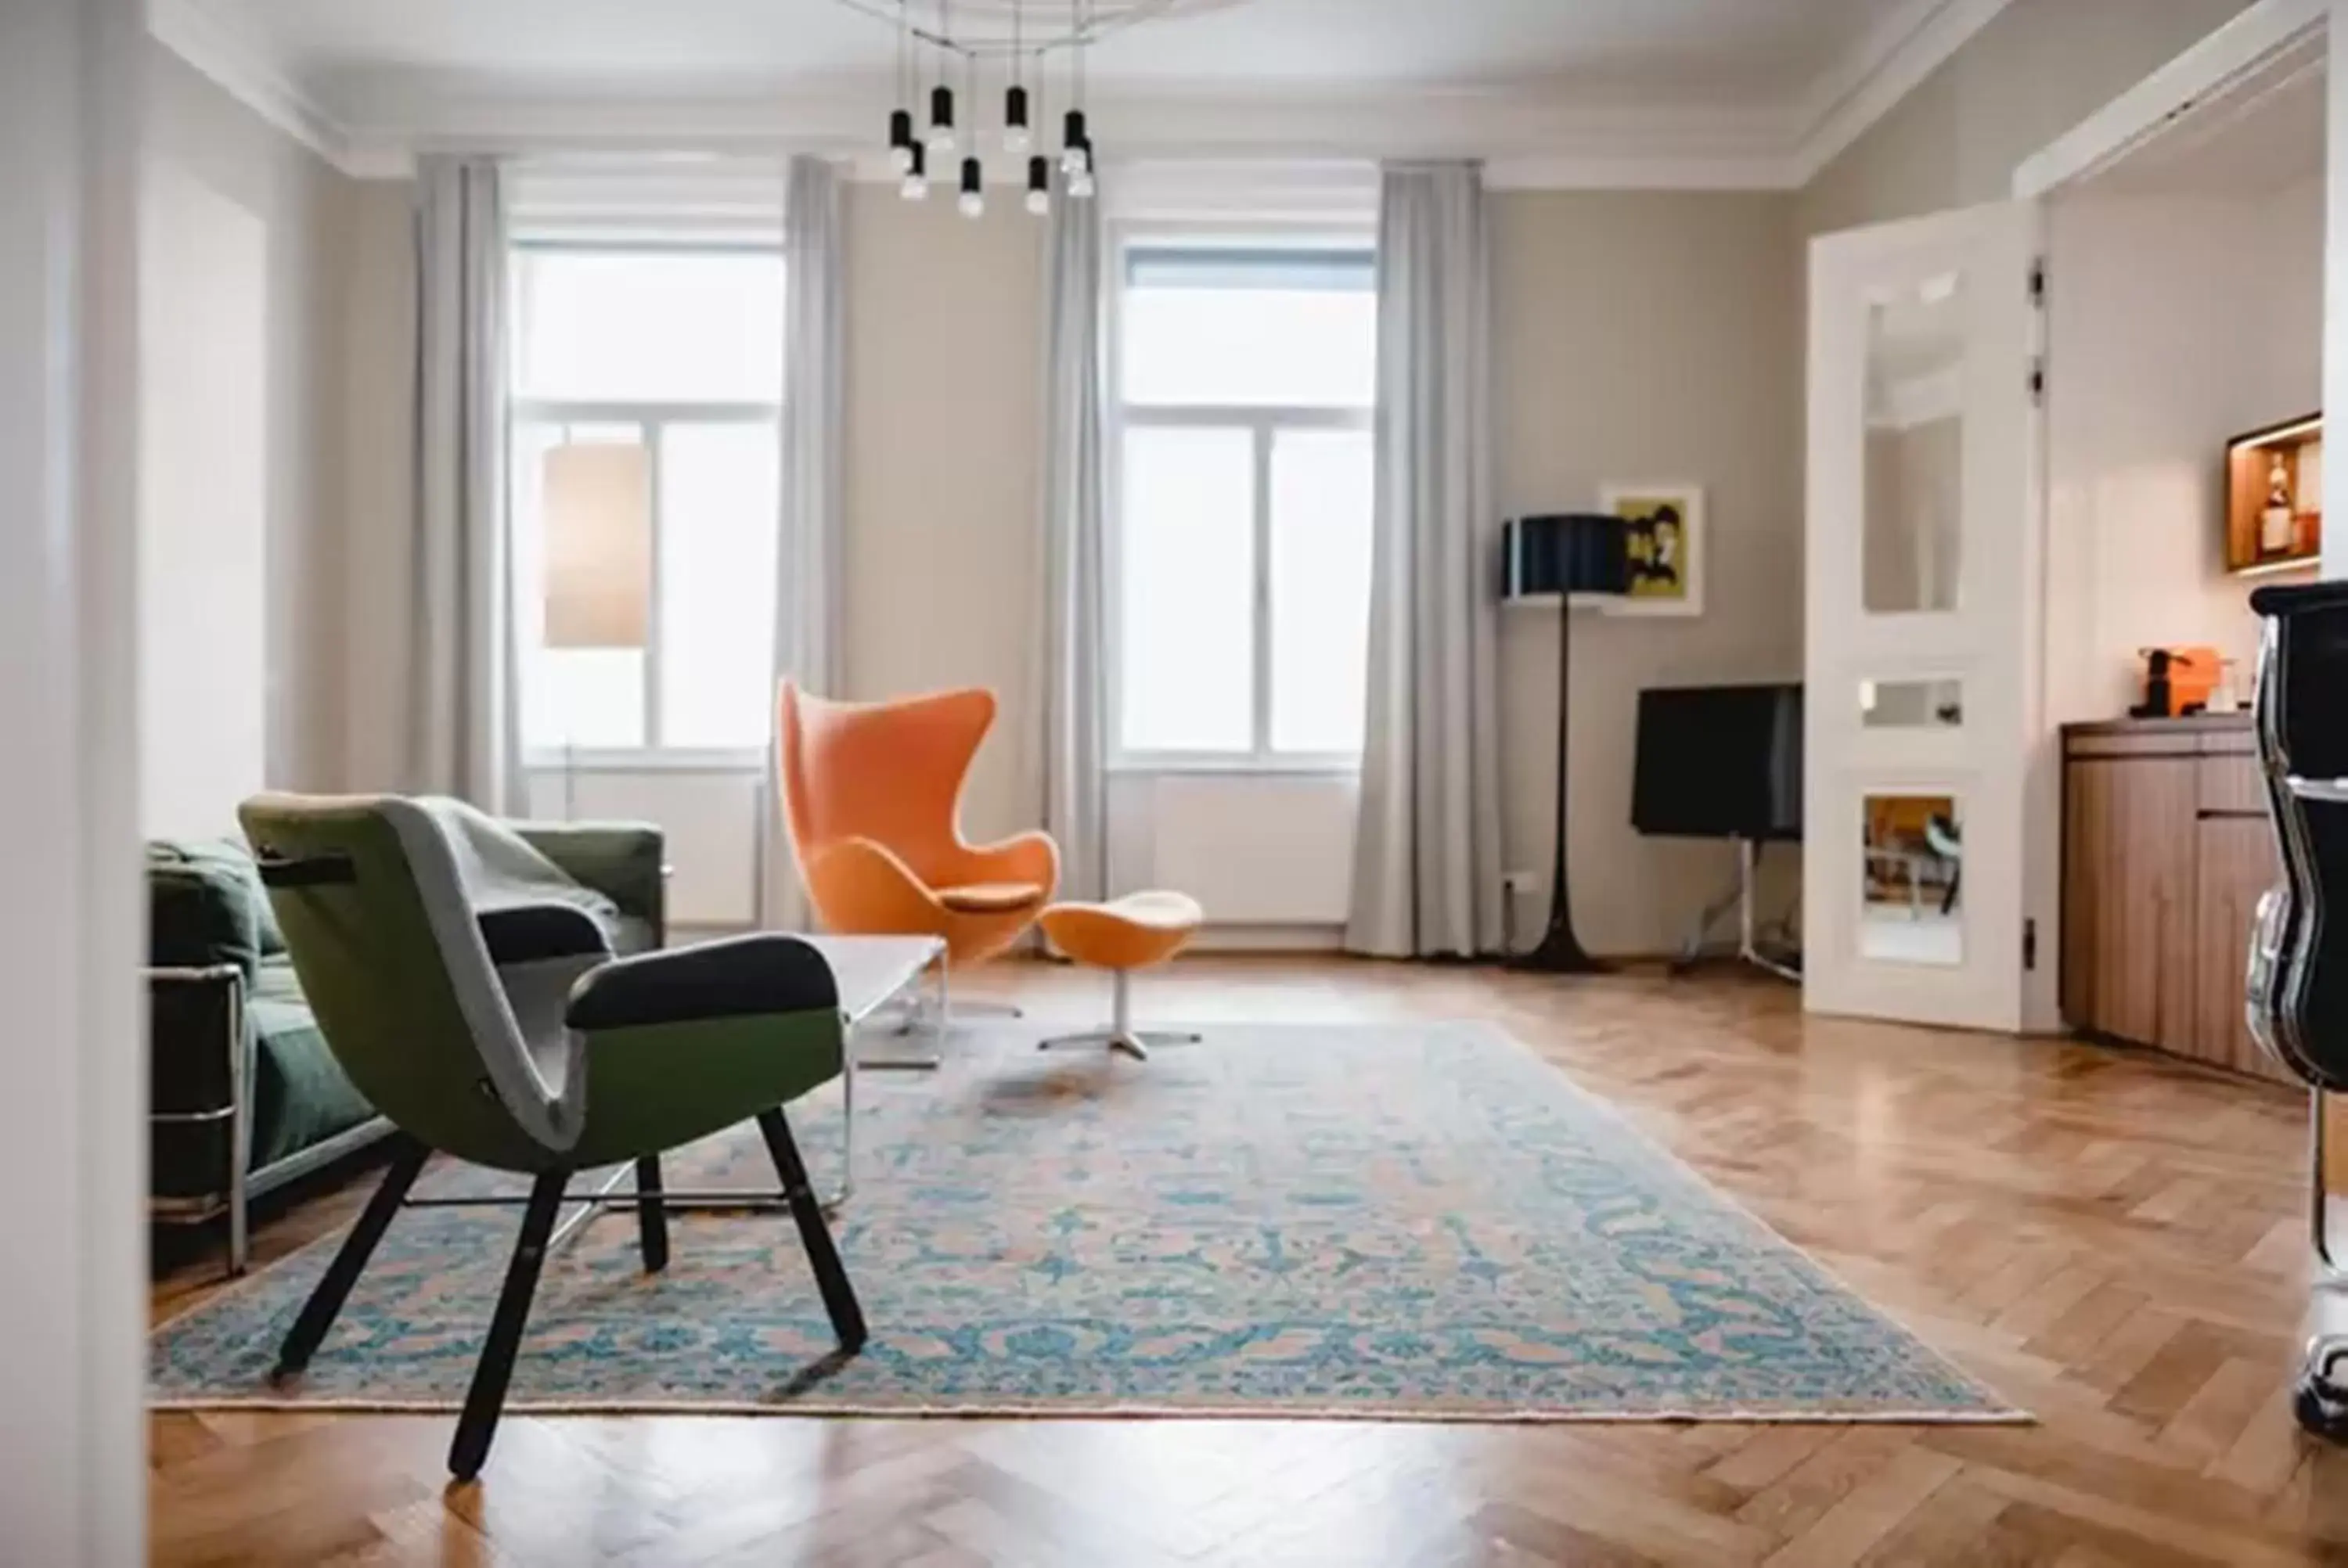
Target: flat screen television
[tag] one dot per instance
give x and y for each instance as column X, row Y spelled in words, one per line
column 1719, row 761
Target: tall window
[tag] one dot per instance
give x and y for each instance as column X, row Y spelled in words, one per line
column 644, row 456
column 1246, row 373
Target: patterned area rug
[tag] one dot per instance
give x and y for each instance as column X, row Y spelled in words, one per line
column 1406, row 1222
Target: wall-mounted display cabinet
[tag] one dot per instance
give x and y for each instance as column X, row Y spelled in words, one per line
column 2274, row 497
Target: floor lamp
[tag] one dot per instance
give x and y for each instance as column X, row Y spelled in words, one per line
column 1555, row 557
column 598, row 511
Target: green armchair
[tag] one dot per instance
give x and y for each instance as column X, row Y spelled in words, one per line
column 424, row 961
column 244, row 1096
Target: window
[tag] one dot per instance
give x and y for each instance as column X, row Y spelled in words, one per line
column 1246, row 374
column 648, row 381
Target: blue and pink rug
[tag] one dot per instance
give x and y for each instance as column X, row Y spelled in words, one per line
column 1400, row 1221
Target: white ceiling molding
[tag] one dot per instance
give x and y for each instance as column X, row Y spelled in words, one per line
column 248, row 72
column 2272, row 47
column 1892, row 60
column 1529, row 139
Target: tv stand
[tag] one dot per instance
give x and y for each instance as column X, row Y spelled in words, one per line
column 1738, row 898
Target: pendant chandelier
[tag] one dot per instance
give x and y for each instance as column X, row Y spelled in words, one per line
column 942, row 44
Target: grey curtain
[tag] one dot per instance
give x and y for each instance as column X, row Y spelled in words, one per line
column 1074, row 706
column 809, row 586
column 464, row 728
column 1426, row 858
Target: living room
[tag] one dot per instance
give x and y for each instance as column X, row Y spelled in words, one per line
column 1011, row 782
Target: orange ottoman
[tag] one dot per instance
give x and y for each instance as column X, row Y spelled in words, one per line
column 1122, row 936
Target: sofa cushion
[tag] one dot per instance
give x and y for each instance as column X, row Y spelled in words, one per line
column 300, row 1096
column 631, row 935
column 205, row 906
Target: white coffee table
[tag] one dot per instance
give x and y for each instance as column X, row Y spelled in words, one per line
column 872, row 972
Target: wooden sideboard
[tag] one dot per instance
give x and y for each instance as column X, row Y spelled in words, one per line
column 2166, row 852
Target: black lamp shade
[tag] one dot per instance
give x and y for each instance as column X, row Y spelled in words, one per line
column 1039, row 173
column 942, row 108
column 1015, row 108
column 1565, row 552
column 973, row 177
column 900, row 129
column 1077, row 135
column 920, row 169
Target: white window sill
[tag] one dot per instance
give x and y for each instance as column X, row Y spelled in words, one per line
column 584, row 760
column 1237, row 767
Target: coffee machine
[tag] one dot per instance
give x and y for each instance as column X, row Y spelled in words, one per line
column 2177, row 681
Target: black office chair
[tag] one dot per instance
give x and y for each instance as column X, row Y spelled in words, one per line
column 2298, row 961
column 1941, row 837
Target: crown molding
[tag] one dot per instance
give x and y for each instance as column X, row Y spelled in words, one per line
column 249, row 73
column 375, row 126
column 1890, row 60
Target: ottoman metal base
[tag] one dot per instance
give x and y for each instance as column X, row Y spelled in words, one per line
column 1120, row 1036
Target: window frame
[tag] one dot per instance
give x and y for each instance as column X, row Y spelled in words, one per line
column 651, row 419
column 1264, row 423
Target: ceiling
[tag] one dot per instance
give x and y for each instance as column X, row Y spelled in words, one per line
column 1692, row 80
column 1763, row 49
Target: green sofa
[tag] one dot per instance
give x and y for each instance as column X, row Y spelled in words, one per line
column 245, row 1096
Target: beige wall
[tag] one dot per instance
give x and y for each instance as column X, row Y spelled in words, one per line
column 944, row 491
column 1642, row 338
column 1637, row 338
column 2035, row 71
column 378, row 346
column 305, row 205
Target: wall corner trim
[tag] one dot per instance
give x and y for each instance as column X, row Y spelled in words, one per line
column 248, row 73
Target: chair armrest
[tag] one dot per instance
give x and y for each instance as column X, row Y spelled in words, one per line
column 1030, row 858
column 859, row 884
column 200, row 1070
column 621, row 860
column 740, row 978
column 195, row 1024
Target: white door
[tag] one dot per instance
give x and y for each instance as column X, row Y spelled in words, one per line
column 1924, row 612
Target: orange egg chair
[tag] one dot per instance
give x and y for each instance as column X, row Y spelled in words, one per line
column 872, row 797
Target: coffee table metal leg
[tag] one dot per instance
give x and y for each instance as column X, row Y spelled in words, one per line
column 847, row 1124
column 911, row 989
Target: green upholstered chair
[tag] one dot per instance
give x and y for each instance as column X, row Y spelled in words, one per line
column 503, row 1032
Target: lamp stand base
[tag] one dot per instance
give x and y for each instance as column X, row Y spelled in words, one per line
column 1560, row 953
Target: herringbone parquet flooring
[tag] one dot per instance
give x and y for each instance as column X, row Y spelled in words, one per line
column 2112, row 1241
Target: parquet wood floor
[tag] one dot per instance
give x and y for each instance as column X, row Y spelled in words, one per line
column 2111, row 1240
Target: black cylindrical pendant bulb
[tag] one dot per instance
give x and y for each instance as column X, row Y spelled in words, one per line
column 941, row 108
column 900, row 128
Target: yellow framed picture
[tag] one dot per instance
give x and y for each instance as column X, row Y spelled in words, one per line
column 1667, row 547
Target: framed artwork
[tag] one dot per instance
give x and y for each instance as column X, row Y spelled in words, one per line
column 1667, row 547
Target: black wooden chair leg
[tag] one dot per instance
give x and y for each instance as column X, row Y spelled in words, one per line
column 652, row 1216
column 334, row 1287
column 487, row 1397
column 830, row 1274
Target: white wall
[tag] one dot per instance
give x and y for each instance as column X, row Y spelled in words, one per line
column 203, row 505
column 302, row 205
column 2175, row 322
column 72, row 1144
